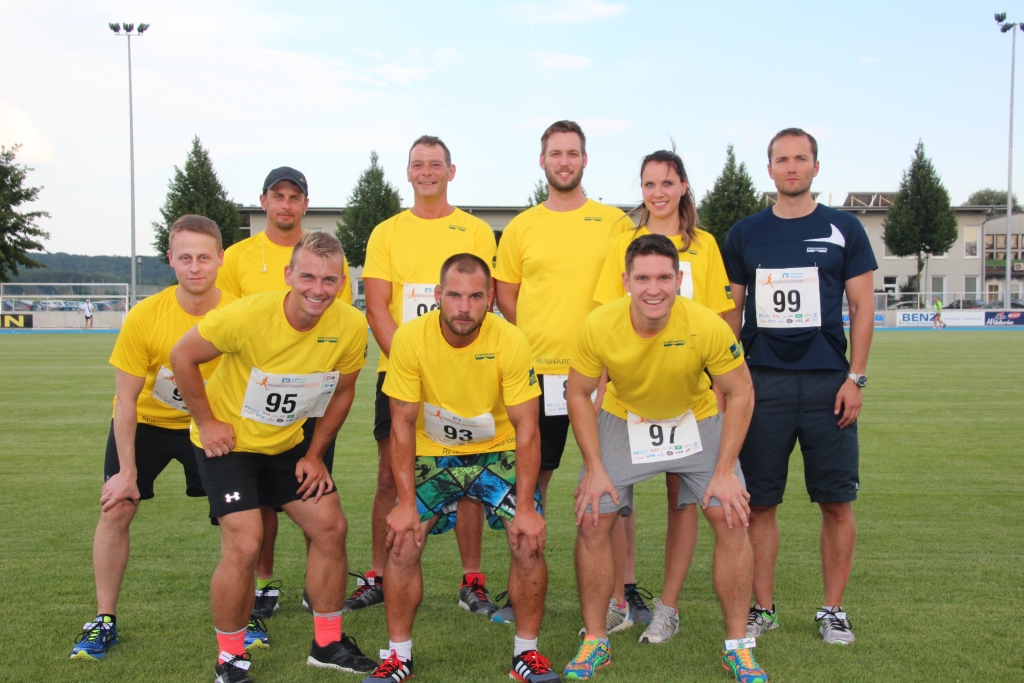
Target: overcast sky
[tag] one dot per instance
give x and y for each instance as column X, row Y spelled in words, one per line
column 318, row 85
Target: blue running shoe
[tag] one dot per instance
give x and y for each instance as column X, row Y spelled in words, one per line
column 96, row 637
column 256, row 635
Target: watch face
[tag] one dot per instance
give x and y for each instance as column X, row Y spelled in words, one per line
column 861, row 381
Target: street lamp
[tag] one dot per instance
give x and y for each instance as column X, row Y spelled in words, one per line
column 1007, row 27
column 128, row 29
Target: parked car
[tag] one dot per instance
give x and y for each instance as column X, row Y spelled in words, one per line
column 999, row 305
column 902, row 305
column 966, row 303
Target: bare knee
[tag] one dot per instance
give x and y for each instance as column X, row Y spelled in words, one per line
column 119, row 517
column 837, row 513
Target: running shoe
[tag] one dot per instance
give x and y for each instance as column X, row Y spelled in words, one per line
column 307, row 604
column 341, row 655
column 532, row 667
column 617, row 619
column 391, row 670
column 638, row 609
column 835, row 627
column 761, row 620
column 592, row 655
column 740, row 663
column 267, row 600
column 95, row 639
column 256, row 634
column 663, row 626
column 505, row 615
column 473, row 596
column 369, row 592
column 235, row 669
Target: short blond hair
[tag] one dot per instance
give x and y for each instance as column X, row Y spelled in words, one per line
column 323, row 244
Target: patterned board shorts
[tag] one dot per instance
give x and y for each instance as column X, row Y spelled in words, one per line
column 489, row 478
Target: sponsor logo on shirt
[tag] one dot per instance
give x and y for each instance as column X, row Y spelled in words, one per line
column 457, row 227
column 484, row 356
column 327, row 340
column 820, row 250
column 533, row 377
column 735, row 350
column 674, row 342
column 728, row 292
column 593, row 218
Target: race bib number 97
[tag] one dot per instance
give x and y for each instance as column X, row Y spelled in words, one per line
column 417, row 300
column 281, row 400
column 659, row 440
column 448, row 429
column 787, row 298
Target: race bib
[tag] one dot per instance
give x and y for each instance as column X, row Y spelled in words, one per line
column 281, row 400
column 686, row 286
column 417, row 300
column 661, row 440
column 554, row 395
column 166, row 391
column 448, row 429
column 787, row 298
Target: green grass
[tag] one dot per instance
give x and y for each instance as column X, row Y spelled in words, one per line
column 936, row 590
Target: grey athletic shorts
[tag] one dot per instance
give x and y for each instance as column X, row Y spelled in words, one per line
column 694, row 471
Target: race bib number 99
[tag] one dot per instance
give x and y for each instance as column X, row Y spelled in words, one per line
column 448, row 429
column 787, row 298
column 417, row 300
column 281, row 400
column 659, row 440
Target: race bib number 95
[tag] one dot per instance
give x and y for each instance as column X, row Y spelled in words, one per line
column 281, row 400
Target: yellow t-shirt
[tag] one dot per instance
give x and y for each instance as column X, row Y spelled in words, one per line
column 661, row 377
column 484, row 377
column 408, row 252
column 705, row 276
column 256, row 265
column 143, row 348
column 556, row 257
column 254, row 333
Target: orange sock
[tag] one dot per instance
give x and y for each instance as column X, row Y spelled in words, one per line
column 326, row 628
column 231, row 643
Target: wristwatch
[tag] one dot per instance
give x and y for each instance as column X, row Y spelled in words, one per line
column 859, row 380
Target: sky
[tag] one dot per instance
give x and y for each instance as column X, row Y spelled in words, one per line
column 320, row 85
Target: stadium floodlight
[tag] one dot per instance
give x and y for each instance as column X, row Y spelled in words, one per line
column 128, row 28
column 1007, row 27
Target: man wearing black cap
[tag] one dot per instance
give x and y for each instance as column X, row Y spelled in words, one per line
column 256, row 265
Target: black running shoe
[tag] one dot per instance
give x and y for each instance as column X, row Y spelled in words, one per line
column 638, row 609
column 343, row 655
column 235, row 669
column 391, row 670
column 473, row 597
column 370, row 592
column 267, row 600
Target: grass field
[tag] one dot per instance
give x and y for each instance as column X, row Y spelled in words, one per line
column 936, row 591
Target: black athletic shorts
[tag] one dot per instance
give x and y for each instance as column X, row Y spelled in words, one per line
column 155, row 448
column 307, row 436
column 242, row 481
column 554, row 430
column 381, row 411
column 794, row 405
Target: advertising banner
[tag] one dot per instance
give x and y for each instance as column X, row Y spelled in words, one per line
column 970, row 318
column 1003, row 318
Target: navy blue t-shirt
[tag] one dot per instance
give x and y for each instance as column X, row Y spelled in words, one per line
column 833, row 241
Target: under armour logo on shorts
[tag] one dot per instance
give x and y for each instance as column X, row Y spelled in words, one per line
column 232, row 496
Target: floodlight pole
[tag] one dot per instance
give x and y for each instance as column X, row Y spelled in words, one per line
column 133, row 295
column 1011, row 28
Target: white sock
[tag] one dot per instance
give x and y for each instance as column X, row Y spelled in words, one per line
column 524, row 645
column 403, row 649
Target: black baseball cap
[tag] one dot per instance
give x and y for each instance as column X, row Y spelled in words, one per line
column 285, row 173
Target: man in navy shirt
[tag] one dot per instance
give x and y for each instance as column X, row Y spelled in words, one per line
column 789, row 267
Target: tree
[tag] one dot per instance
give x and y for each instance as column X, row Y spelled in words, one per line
column 373, row 200
column 18, row 230
column 196, row 189
column 540, row 194
column 990, row 197
column 733, row 198
column 920, row 221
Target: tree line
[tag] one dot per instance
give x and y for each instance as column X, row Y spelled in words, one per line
column 920, row 222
